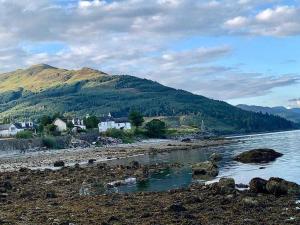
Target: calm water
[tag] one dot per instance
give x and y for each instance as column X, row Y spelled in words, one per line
column 287, row 167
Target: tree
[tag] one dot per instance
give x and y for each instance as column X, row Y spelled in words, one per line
column 70, row 125
column 24, row 134
column 91, row 122
column 136, row 119
column 43, row 122
column 51, row 129
column 156, row 128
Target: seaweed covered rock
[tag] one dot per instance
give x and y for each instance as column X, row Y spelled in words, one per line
column 227, row 183
column 205, row 170
column 258, row 156
column 278, row 187
column 275, row 186
column 258, row 185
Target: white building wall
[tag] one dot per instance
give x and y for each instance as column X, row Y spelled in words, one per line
column 12, row 131
column 104, row 126
column 61, row 125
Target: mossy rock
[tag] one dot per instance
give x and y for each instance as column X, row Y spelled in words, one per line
column 258, row 156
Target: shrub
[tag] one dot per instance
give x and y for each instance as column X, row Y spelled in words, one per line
column 156, row 129
column 125, row 136
column 136, row 119
column 91, row 122
column 51, row 129
column 52, row 143
column 24, row 134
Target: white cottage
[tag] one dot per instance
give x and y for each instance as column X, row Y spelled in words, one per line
column 9, row 130
column 79, row 123
column 60, row 125
column 114, row 123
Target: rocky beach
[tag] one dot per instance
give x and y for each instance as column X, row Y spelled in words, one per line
column 46, row 158
column 83, row 188
column 84, row 195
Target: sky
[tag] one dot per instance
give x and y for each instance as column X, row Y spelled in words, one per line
column 241, row 52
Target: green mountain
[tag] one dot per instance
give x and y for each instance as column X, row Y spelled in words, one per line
column 45, row 90
column 289, row 114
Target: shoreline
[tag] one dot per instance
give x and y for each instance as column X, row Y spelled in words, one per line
column 46, row 159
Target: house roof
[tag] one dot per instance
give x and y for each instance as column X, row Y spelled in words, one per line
column 18, row 125
column 117, row 120
column 121, row 120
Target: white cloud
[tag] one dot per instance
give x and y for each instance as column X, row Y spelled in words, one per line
column 134, row 37
column 236, row 22
column 277, row 14
column 88, row 4
column 294, row 103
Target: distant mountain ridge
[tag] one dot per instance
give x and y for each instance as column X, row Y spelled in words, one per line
column 46, row 90
column 289, row 114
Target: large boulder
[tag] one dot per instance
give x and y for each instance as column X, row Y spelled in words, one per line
column 258, row 185
column 205, row 170
column 258, row 156
column 227, row 183
column 278, row 187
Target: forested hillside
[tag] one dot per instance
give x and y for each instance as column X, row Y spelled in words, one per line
column 43, row 90
column 289, row 114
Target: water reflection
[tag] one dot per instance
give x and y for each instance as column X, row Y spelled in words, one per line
column 287, row 167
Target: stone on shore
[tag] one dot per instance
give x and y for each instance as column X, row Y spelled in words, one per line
column 59, row 163
column 274, row 186
column 91, row 161
column 177, row 207
column 186, row 140
column 278, row 187
column 205, row 170
column 227, row 183
column 258, row 185
column 258, row 156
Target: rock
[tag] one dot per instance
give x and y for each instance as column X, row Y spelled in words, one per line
column 3, row 195
column 258, row 185
column 258, row 156
column 7, row 185
column 91, row 161
column 66, row 223
column 215, row 157
column 278, row 187
column 205, row 170
column 108, row 141
column 293, row 188
column 51, row 194
column 186, row 140
column 224, row 186
column 135, row 164
column 177, row 207
column 24, row 170
column 113, row 219
column 227, row 183
column 59, row 163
